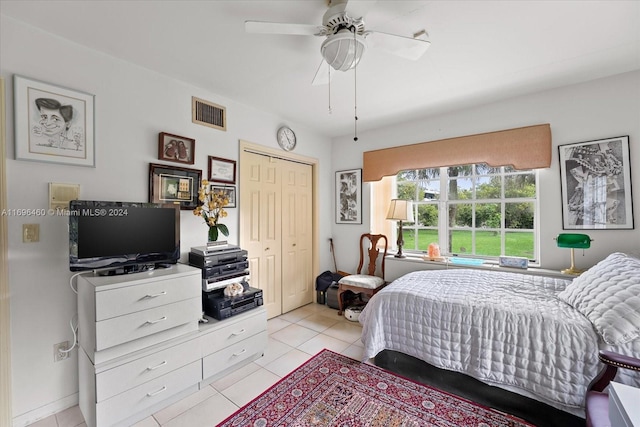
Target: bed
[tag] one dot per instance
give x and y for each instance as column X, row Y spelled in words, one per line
column 537, row 336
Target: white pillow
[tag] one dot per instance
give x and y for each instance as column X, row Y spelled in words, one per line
column 608, row 294
column 362, row 281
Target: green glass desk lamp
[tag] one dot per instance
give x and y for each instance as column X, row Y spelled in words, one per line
column 573, row 241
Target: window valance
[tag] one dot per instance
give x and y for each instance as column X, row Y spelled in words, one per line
column 523, row 148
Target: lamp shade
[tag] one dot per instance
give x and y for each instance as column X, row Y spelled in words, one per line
column 400, row 210
column 573, row 240
column 343, row 50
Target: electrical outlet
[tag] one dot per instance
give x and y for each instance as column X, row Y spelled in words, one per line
column 60, row 355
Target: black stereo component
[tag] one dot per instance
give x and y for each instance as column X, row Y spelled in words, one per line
column 224, row 269
column 216, row 305
column 201, row 260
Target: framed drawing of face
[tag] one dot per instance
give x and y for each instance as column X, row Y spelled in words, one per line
column 52, row 123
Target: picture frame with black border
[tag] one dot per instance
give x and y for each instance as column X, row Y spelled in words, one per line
column 172, row 184
column 595, row 181
column 229, row 190
column 349, row 196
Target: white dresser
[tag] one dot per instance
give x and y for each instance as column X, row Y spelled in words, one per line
column 141, row 347
column 228, row 343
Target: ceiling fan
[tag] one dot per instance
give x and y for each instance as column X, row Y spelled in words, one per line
column 346, row 37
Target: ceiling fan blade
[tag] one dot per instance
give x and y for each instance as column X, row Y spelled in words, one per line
column 283, row 28
column 406, row 47
column 359, row 8
column 323, row 75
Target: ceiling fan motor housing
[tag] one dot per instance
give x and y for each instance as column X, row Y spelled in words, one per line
column 343, row 50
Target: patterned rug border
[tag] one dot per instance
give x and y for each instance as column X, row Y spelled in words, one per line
column 325, row 351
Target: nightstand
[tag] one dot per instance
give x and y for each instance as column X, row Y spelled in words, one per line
column 623, row 405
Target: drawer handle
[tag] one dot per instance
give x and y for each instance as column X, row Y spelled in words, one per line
column 151, row 322
column 155, row 393
column 244, row 350
column 153, row 368
column 159, row 294
column 240, row 332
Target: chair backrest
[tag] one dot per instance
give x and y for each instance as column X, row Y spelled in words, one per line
column 372, row 254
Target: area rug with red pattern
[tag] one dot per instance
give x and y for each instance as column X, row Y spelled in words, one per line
column 334, row 390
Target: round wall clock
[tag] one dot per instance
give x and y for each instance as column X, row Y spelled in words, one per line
column 286, row 138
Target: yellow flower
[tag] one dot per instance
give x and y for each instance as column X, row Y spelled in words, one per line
column 211, row 209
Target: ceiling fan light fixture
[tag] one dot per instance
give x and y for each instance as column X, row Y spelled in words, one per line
column 343, row 50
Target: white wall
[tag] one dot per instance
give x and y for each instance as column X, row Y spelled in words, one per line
column 132, row 105
column 602, row 108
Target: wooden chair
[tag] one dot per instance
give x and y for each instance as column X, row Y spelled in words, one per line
column 597, row 400
column 373, row 279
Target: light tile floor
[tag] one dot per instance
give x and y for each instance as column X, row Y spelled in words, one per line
column 294, row 338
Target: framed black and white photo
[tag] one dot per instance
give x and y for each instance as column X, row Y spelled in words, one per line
column 222, row 170
column 229, row 191
column 171, row 184
column 52, row 123
column 596, row 184
column 349, row 197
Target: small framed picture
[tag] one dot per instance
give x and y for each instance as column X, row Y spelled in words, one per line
column 53, row 124
column 222, row 170
column 596, row 185
column 175, row 148
column 349, row 197
column 171, row 184
column 229, row 190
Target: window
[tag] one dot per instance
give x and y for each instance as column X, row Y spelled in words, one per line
column 475, row 210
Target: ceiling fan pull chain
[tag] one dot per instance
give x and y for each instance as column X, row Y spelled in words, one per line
column 329, row 68
column 355, row 91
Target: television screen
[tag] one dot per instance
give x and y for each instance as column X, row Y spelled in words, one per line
column 122, row 235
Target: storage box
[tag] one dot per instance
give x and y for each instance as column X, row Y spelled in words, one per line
column 514, row 262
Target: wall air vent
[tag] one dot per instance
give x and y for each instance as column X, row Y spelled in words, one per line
column 208, row 114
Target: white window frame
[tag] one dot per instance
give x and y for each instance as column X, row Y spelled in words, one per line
column 443, row 217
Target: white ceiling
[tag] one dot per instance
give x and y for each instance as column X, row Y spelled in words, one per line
column 481, row 51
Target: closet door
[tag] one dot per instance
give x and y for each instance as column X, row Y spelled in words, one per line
column 260, row 223
column 297, row 235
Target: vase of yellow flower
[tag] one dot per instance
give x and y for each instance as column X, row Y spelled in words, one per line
column 211, row 209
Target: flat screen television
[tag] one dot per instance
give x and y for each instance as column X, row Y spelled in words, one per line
column 122, row 237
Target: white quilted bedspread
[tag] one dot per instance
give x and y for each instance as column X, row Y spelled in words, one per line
column 506, row 329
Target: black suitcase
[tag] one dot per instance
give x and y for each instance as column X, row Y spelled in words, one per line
column 323, row 282
column 348, row 297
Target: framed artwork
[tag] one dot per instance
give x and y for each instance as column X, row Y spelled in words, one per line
column 176, row 148
column 52, row 123
column 171, row 184
column 229, row 190
column 596, row 184
column 222, row 170
column 349, row 197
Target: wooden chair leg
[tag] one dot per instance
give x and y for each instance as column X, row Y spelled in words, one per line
column 340, row 291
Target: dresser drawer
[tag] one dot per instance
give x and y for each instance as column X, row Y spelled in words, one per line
column 122, row 329
column 135, row 400
column 236, row 332
column 117, row 302
column 132, row 374
column 235, row 353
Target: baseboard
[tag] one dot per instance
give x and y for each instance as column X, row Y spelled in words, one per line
column 45, row 411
